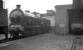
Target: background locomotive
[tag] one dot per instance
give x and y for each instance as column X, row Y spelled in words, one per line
column 28, row 24
column 76, row 21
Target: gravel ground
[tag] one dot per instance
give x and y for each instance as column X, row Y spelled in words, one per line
column 48, row 41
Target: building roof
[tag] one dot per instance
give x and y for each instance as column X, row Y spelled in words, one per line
column 44, row 15
column 63, row 6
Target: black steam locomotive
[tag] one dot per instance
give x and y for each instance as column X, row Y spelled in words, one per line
column 76, row 21
column 27, row 24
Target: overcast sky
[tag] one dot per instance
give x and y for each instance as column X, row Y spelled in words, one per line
column 35, row 5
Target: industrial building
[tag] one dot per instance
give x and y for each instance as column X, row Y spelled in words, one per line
column 62, row 19
column 66, row 15
column 50, row 15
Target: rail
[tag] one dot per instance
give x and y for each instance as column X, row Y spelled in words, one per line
column 77, row 43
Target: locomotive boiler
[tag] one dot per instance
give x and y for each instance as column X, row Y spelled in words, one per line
column 30, row 23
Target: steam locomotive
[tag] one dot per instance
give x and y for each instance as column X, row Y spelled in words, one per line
column 76, row 21
column 26, row 23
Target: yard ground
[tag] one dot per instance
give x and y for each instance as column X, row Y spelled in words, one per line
column 48, row 41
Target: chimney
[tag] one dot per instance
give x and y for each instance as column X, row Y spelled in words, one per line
column 77, row 4
column 18, row 6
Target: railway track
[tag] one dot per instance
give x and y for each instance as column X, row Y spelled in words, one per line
column 77, row 43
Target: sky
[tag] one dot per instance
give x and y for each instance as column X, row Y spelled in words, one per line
column 35, row 5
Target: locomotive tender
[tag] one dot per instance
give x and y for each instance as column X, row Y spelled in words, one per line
column 3, row 20
column 29, row 23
